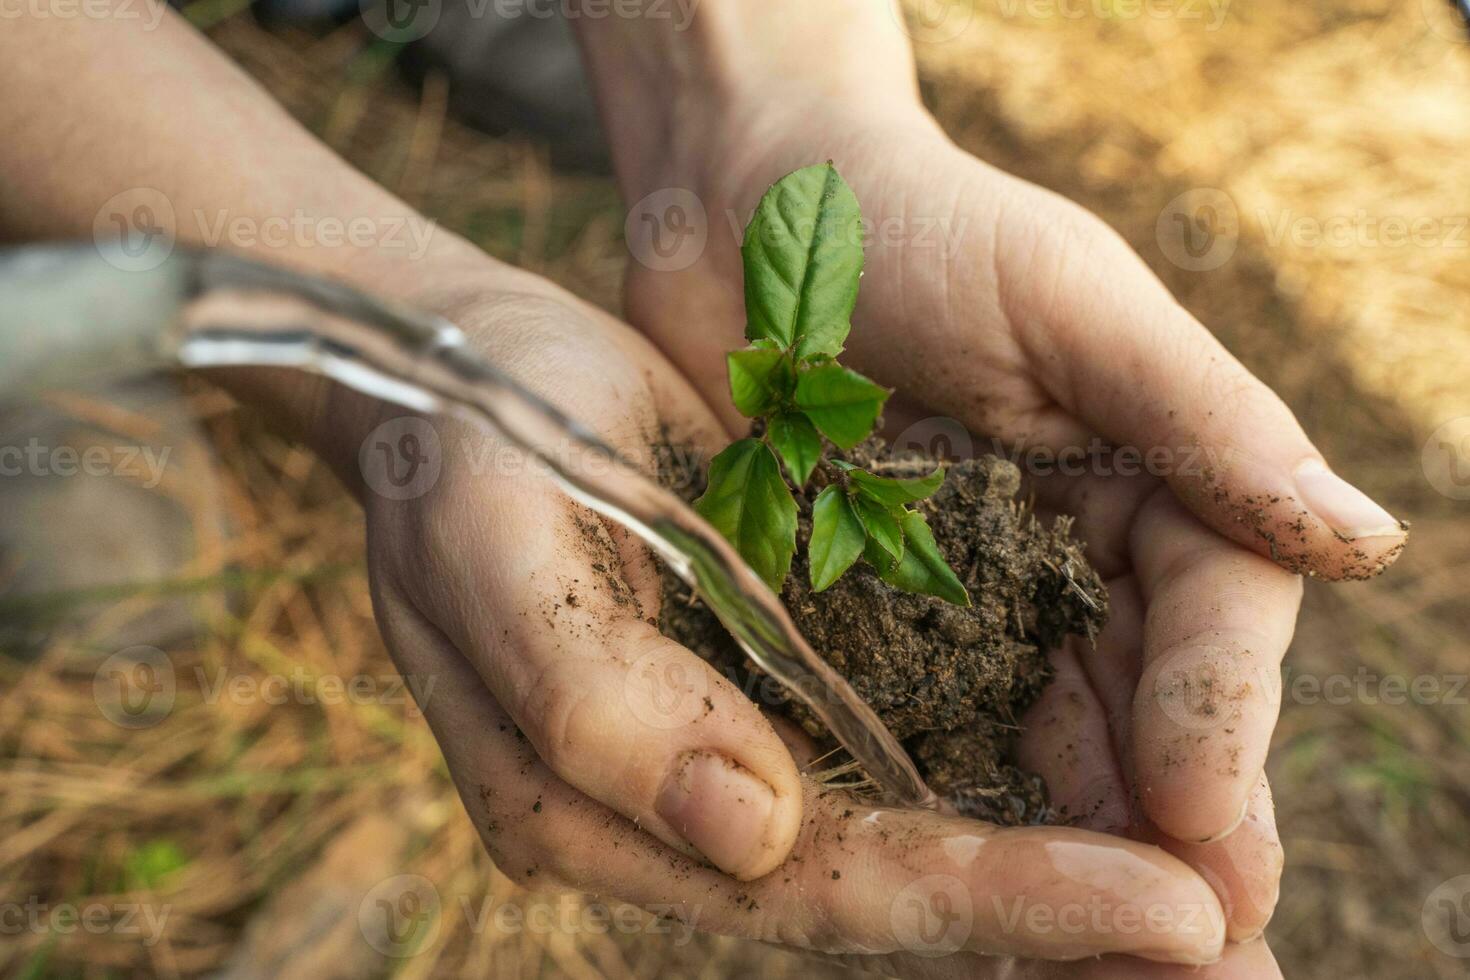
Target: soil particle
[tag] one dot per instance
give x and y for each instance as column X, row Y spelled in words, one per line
column 950, row 682
column 1286, row 529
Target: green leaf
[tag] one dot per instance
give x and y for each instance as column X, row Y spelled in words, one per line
column 843, row 404
column 803, row 254
column 882, row 526
column 795, row 438
column 881, row 560
column 922, row 568
column 897, row 492
column 837, row 537
column 761, row 379
column 749, row 503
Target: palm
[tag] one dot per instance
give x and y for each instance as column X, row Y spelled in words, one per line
column 977, row 304
column 540, row 702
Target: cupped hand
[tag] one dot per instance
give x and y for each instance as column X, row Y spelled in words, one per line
column 593, row 753
column 992, row 302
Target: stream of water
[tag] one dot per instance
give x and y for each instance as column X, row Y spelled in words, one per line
column 74, row 312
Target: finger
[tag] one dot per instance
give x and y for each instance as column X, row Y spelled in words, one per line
column 1102, row 509
column 1244, row 868
column 1248, row 961
column 542, row 610
column 1218, row 622
column 1065, row 741
column 1111, row 344
column 860, row 879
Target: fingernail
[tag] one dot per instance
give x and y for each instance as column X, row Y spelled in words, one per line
column 721, row 808
column 1346, row 509
column 1244, row 809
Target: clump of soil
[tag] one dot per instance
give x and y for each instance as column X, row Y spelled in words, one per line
column 951, row 683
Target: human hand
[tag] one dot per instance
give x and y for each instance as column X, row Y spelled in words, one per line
column 1040, row 328
column 593, row 753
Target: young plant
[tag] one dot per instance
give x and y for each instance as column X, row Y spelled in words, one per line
column 803, row 256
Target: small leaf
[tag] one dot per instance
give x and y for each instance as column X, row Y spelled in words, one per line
column 760, row 379
column 842, row 403
column 874, row 554
column 749, row 503
column 922, row 568
column 837, row 538
column 803, row 253
column 796, row 440
column 897, row 492
column 882, row 526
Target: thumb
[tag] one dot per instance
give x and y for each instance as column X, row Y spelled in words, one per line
column 1139, row 369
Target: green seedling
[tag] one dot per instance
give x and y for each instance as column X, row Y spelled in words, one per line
column 803, row 257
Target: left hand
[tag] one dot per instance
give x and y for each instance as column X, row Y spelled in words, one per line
column 1041, row 328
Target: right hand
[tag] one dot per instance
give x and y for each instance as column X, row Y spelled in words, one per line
column 593, row 753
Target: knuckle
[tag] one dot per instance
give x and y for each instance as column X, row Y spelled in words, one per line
column 570, row 725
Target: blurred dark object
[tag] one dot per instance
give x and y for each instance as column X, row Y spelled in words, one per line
column 512, row 70
column 114, row 491
column 516, row 72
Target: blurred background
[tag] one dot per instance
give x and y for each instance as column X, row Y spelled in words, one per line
column 1299, row 174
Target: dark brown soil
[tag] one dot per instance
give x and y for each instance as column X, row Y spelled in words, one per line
column 950, row 682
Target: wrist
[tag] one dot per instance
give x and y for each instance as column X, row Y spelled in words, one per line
column 330, row 419
column 679, row 96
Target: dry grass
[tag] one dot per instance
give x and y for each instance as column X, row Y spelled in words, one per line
column 252, row 824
